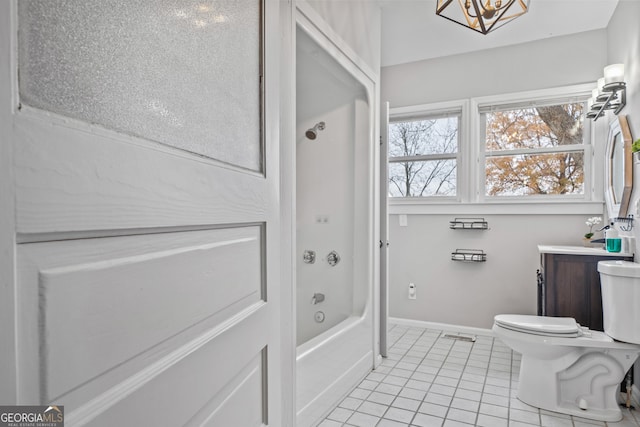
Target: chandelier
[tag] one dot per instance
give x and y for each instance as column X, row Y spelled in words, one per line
column 482, row 17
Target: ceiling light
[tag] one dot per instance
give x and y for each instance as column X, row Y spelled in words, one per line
column 481, row 17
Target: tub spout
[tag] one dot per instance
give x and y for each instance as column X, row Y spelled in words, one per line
column 317, row 298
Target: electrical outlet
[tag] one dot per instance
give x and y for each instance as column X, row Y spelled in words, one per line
column 412, row 291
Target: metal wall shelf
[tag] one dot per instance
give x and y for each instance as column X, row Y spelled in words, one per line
column 469, row 255
column 469, row 224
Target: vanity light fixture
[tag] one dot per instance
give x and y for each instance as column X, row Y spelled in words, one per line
column 610, row 93
column 482, row 16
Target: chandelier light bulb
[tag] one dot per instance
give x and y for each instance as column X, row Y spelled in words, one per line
column 614, row 73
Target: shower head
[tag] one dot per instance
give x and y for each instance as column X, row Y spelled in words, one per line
column 313, row 132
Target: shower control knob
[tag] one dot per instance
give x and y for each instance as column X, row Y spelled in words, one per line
column 333, row 258
column 309, row 257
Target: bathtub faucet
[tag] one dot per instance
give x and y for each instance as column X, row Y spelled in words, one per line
column 317, row 298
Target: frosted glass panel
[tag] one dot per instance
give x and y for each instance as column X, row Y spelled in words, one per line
column 183, row 73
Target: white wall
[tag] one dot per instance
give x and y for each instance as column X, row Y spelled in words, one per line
column 471, row 294
column 624, row 46
column 358, row 23
column 557, row 61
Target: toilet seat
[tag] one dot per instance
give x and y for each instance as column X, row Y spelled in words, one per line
column 565, row 327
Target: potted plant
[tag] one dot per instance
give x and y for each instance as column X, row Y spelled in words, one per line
column 591, row 222
column 635, row 148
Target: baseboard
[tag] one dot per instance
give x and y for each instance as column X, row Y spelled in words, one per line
column 440, row 326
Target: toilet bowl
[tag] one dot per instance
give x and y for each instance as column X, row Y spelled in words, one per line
column 570, row 369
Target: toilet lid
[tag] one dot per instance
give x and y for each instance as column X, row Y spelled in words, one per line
column 540, row 325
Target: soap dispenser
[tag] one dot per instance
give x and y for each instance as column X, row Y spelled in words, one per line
column 612, row 239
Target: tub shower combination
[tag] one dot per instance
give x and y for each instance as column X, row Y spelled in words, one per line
column 334, row 236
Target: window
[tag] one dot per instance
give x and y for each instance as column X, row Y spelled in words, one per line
column 534, row 150
column 523, row 148
column 423, row 156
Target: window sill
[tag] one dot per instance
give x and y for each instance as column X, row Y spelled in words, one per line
column 420, row 207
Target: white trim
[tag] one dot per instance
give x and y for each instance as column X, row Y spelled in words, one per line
column 440, row 326
column 534, row 95
column 402, row 113
column 547, row 150
column 9, row 363
column 564, row 207
column 313, row 24
column 287, row 159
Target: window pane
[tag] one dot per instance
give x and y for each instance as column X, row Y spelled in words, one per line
column 535, row 127
column 433, row 136
column 546, row 174
column 421, row 179
column 182, row 73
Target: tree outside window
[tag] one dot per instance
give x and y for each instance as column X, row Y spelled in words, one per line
column 535, row 151
column 423, row 157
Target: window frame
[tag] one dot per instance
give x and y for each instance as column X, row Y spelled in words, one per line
column 532, row 99
column 470, row 192
column 426, row 112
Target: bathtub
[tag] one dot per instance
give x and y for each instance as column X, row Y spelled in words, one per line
column 335, row 199
column 330, row 365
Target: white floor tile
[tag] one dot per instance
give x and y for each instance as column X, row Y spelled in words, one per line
column 424, row 420
column 404, row 403
column 363, row 420
column 373, row 408
column 340, row 414
column 398, row 414
column 382, row 398
column 433, row 409
column 431, row 381
column 391, row 423
column 490, row 421
column 550, row 421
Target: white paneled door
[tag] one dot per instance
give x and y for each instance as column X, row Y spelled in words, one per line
column 140, row 197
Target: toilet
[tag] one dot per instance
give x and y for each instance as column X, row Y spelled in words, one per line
column 570, row 369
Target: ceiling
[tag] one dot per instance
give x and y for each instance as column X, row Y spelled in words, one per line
column 411, row 30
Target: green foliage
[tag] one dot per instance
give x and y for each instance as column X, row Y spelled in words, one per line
column 636, row 145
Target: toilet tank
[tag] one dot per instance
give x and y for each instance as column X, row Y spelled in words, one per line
column 620, row 284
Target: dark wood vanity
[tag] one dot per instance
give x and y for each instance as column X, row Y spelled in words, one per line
column 569, row 283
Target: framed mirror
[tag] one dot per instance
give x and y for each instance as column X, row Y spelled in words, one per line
column 618, row 168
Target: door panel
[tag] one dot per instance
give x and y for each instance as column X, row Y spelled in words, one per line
column 191, row 382
column 143, row 269
column 92, row 179
column 113, row 306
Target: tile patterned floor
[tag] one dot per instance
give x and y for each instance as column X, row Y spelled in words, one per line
column 432, row 380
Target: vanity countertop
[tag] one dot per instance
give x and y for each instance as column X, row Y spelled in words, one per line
column 579, row 250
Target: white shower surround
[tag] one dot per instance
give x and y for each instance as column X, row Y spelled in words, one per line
column 335, row 180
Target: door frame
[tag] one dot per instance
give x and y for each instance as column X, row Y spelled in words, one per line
column 8, row 355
